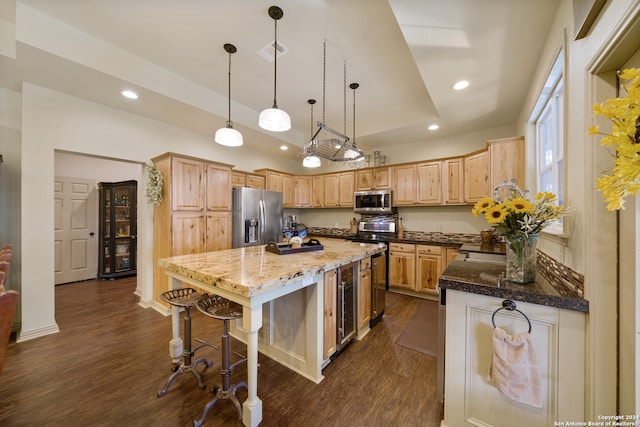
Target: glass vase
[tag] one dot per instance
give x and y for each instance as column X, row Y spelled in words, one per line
column 521, row 258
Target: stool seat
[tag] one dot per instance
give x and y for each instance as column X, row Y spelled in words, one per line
column 183, row 297
column 219, row 308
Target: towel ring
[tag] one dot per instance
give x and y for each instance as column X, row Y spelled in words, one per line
column 509, row 306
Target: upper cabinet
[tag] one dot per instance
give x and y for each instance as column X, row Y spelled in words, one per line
column 476, row 177
column 507, row 161
column 373, row 179
column 279, row 181
column 317, row 191
column 338, row 190
column 302, row 191
column 417, row 184
column 244, row 179
column 453, row 181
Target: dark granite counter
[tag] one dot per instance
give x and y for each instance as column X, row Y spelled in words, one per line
column 482, row 278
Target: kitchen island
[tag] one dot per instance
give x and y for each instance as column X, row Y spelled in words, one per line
column 473, row 293
column 258, row 280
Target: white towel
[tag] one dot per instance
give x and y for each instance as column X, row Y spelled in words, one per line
column 514, row 368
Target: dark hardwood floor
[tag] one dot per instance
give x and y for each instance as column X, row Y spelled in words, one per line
column 110, row 358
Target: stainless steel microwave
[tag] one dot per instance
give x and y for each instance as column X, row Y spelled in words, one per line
column 373, row 202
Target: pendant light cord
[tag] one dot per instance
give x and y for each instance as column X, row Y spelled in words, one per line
column 324, row 81
column 275, row 61
column 229, row 122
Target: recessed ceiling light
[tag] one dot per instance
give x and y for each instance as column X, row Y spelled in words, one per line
column 284, row 147
column 462, row 84
column 129, row 94
column 433, row 127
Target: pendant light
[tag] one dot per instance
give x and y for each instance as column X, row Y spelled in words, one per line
column 311, row 161
column 274, row 119
column 228, row 135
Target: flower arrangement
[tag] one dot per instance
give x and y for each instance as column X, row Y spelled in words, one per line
column 624, row 112
column 154, row 184
column 517, row 216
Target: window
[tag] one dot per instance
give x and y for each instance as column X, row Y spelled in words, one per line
column 548, row 118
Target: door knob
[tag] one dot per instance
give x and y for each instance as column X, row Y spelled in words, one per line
column 92, row 234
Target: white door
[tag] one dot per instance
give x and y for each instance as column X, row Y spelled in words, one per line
column 75, row 234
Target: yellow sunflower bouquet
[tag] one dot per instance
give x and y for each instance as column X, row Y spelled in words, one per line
column 517, row 216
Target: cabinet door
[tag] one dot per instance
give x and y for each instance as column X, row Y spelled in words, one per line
column 429, row 268
column 429, row 184
column 330, row 304
column 303, row 191
column 346, row 189
column 331, row 191
column 364, row 180
column 274, row 181
column 188, row 233
column 317, row 198
column 382, row 178
column 287, row 191
column 364, row 298
column 402, row 270
column 256, row 181
column 218, row 231
column 453, row 184
column 218, row 191
column 507, row 161
column 450, row 255
column 476, row 177
column 404, row 182
column 238, row 179
column 186, row 186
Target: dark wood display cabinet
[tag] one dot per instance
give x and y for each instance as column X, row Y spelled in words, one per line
column 118, row 207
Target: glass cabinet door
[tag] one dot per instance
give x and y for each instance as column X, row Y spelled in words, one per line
column 117, row 229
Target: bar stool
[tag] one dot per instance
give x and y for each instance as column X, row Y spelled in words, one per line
column 225, row 310
column 185, row 298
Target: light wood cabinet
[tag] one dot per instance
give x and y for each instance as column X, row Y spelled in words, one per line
column 453, row 181
column 279, row 181
column 317, row 191
column 417, row 184
column 450, row 255
column 302, row 191
column 338, row 190
column 404, row 185
column 402, row 266
column 364, row 294
column 330, row 305
column 373, row 179
column 507, row 161
column 346, row 183
column 244, row 179
column 429, row 183
column 428, row 268
column 476, row 177
column 196, row 213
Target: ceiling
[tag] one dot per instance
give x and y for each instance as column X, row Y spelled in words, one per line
column 405, row 55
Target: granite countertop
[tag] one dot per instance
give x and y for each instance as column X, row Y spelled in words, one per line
column 482, row 278
column 253, row 271
column 426, row 240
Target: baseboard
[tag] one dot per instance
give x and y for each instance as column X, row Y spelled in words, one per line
column 37, row 333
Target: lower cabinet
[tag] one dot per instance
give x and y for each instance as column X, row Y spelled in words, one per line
column 364, row 294
column 330, row 303
column 417, row 268
column 558, row 338
column 402, row 266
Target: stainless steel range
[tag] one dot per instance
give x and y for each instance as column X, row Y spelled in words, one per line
column 370, row 230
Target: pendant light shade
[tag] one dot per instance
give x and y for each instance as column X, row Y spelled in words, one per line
column 228, row 135
column 274, row 119
column 311, row 161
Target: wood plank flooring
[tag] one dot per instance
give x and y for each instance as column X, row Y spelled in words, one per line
column 110, row 358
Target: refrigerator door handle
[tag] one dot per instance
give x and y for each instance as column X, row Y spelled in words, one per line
column 263, row 218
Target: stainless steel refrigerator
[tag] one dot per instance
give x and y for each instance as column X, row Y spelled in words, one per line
column 257, row 217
